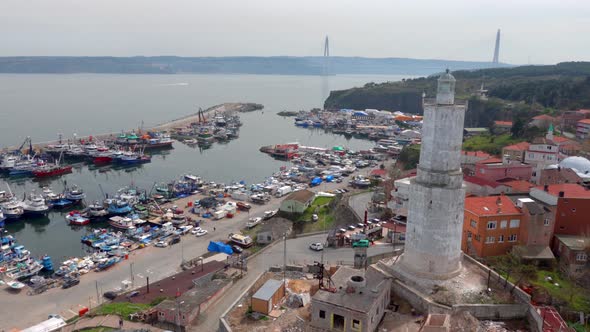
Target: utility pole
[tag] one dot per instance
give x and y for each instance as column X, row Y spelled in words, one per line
column 285, row 259
column 132, row 276
column 97, row 296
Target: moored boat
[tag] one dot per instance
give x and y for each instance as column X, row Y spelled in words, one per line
column 75, row 218
column 12, row 209
column 34, row 204
column 75, row 194
column 51, row 170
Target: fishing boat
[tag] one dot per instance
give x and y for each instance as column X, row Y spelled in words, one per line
column 95, row 211
column 118, row 207
column 2, row 218
column 34, row 204
column 12, row 209
column 75, row 218
column 102, row 158
column 51, row 170
column 75, row 194
column 134, row 159
column 104, row 264
column 25, row 269
column 15, row 285
column 156, row 141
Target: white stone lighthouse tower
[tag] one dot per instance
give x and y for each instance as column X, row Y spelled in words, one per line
column 437, row 196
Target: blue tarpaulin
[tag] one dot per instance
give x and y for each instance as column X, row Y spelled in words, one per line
column 220, row 247
column 329, row 178
column 316, row 181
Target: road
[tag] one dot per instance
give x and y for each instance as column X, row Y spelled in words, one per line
column 152, row 262
column 298, row 253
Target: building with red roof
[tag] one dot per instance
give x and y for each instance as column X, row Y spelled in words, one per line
column 543, row 121
column 583, row 128
column 517, row 186
column 493, row 169
column 515, row 151
column 491, row 225
column 483, row 187
column 571, row 203
column 501, row 127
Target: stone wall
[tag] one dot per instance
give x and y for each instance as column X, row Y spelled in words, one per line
column 494, row 311
column 417, row 300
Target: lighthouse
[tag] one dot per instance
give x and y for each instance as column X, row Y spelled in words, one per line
column 437, row 197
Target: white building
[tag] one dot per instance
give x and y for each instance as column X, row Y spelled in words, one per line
column 543, row 152
column 400, row 196
column 437, row 196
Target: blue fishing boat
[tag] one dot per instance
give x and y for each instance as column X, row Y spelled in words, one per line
column 47, row 263
column 107, row 263
column 118, row 207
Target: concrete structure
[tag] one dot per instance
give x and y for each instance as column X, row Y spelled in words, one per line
column 543, row 152
column 298, row 201
column 435, row 209
column 491, row 226
column 514, row 151
column 357, row 304
column 400, row 196
column 583, row 128
column 482, row 187
column 569, row 119
column 573, row 254
column 470, row 132
column 437, row 323
column 273, row 230
column 268, row 296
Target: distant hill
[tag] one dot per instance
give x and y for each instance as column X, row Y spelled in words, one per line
column 525, row 90
column 277, row 65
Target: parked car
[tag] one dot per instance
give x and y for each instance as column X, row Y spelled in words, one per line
column 70, row 283
column 110, row 295
column 237, row 249
column 195, row 230
column 132, row 294
column 161, row 244
column 174, row 240
column 317, row 246
column 351, row 227
column 202, row 232
column 360, row 225
column 314, row 217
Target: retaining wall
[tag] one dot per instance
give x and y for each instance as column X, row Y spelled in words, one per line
column 494, row 311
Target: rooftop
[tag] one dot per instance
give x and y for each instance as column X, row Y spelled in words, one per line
column 570, row 190
column 503, row 123
column 574, row 242
column 302, row 196
column 476, row 154
column 544, row 117
column 584, row 121
column 533, row 252
column 522, row 146
column 267, row 290
column 361, row 300
column 491, row 206
column 492, row 160
column 481, row 181
column 519, row 186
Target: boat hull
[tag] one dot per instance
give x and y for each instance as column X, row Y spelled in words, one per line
column 54, row 172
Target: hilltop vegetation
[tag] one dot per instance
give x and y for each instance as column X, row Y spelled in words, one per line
column 514, row 92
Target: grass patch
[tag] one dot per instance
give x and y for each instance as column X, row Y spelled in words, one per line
column 576, row 298
column 321, row 201
column 489, row 143
column 123, row 309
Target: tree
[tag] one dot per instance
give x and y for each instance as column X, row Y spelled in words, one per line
column 517, row 128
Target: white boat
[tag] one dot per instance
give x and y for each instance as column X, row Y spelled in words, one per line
column 75, row 194
column 15, row 285
column 34, row 204
column 12, row 209
column 95, row 210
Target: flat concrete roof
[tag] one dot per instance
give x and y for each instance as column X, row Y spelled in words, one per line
column 267, row 290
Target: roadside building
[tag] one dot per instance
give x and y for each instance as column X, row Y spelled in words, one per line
column 583, row 128
column 501, row 127
column 569, row 119
column 268, row 296
column 491, row 226
column 357, row 302
column 573, row 254
column 493, row 169
column 571, row 203
column 297, row 202
column 515, row 151
column 273, row 230
column 543, row 152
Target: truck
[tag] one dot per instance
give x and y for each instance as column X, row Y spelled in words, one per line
column 242, row 240
column 284, row 190
column 220, row 214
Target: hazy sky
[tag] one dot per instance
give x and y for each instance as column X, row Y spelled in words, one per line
column 536, row 31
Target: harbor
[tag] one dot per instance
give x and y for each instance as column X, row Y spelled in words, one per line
column 107, row 225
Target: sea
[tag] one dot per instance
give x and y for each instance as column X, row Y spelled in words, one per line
column 44, row 106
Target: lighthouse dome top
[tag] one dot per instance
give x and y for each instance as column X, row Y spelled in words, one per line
column 445, row 94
